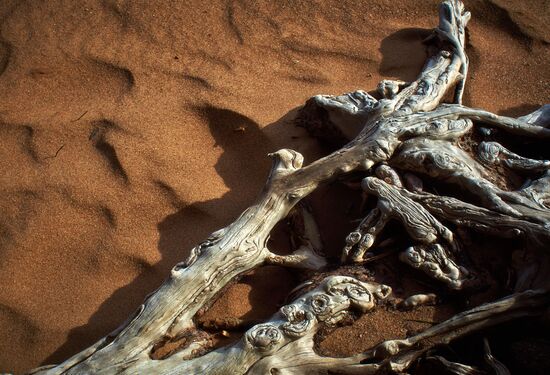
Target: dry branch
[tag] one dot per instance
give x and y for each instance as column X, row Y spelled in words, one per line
column 407, row 129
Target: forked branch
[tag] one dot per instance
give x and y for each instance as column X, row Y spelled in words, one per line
column 406, row 130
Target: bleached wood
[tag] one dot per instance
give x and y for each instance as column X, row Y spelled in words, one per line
column 406, row 126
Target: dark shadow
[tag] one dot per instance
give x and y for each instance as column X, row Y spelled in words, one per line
column 520, row 110
column 245, row 145
column 498, row 18
column 403, row 54
column 245, row 148
column 530, row 147
column 6, row 51
column 521, row 346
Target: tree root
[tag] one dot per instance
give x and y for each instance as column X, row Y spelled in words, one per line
column 407, row 130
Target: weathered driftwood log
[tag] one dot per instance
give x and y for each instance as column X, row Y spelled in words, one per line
column 401, row 137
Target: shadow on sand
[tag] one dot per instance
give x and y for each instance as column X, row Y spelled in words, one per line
column 245, row 146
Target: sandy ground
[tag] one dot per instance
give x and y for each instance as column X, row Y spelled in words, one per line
column 131, row 130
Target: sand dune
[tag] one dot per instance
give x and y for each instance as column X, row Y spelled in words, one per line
column 131, row 130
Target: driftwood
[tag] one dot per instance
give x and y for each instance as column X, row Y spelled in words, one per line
column 396, row 141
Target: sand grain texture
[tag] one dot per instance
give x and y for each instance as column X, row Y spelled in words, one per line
column 131, row 130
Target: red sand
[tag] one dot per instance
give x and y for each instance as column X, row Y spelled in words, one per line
column 131, row 130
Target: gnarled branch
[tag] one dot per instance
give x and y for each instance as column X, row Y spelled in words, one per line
column 407, row 129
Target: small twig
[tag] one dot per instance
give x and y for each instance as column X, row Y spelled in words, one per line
column 82, row 115
column 56, row 153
